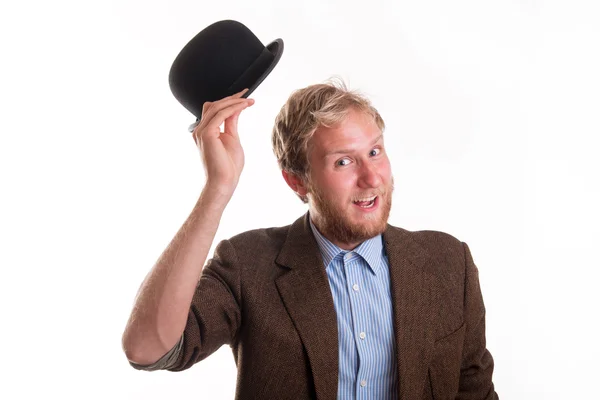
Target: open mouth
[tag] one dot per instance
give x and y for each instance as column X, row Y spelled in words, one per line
column 366, row 202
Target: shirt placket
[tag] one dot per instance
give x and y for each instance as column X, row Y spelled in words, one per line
column 354, row 283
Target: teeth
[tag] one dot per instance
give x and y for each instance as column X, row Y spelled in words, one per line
column 367, row 199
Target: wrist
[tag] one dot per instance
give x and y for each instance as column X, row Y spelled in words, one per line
column 216, row 195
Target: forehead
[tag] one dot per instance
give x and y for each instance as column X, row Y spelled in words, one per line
column 357, row 131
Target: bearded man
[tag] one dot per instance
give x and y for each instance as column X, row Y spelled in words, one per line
column 339, row 304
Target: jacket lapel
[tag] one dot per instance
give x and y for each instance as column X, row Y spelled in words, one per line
column 411, row 288
column 306, row 294
column 307, row 297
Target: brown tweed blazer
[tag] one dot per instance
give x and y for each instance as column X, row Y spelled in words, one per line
column 266, row 294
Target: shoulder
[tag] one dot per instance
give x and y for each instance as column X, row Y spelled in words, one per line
column 261, row 236
column 428, row 237
column 438, row 245
column 257, row 243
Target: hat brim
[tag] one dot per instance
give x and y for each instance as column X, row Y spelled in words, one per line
column 276, row 48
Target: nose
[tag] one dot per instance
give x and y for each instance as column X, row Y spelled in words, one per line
column 369, row 176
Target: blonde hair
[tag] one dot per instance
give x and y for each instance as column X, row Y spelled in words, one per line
column 324, row 104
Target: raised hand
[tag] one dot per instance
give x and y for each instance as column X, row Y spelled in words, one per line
column 222, row 153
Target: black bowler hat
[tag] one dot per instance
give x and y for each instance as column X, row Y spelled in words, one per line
column 221, row 60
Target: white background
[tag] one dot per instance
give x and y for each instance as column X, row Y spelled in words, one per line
column 492, row 123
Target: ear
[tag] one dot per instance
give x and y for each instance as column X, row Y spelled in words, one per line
column 296, row 183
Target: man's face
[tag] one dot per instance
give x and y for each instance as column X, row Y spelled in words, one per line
column 350, row 184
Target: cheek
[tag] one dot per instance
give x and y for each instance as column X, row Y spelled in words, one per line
column 338, row 187
column 342, row 185
column 386, row 171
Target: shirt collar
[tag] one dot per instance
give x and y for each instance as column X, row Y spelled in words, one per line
column 371, row 250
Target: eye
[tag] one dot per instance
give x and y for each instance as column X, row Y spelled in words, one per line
column 374, row 152
column 343, row 162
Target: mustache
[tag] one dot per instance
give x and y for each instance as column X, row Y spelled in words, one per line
column 378, row 192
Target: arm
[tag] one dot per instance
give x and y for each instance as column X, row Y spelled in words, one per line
column 162, row 305
column 477, row 364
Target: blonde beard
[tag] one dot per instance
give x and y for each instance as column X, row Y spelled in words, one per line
column 333, row 222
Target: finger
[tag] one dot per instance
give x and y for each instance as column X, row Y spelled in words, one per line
column 223, row 114
column 231, row 123
column 220, row 105
column 240, row 94
column 237, row 95
column 206, row 106
column 196, row 135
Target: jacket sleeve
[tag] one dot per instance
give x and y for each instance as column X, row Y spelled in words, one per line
column 165, row 362
column 477, row 363
column 214, row 317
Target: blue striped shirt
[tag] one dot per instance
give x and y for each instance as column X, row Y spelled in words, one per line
column 360, row 285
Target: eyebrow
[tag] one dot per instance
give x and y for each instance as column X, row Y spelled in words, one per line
column 344, row 151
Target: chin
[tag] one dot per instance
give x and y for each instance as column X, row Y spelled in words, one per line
column 349, row 224
column 352, row 228
column 370, row 226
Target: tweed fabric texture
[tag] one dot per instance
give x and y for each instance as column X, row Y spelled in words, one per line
column 265, row 293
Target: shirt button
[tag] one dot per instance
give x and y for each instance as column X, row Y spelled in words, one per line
column 347, row 256
column 362, row 336
column 355, row 287
column 363, row 383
